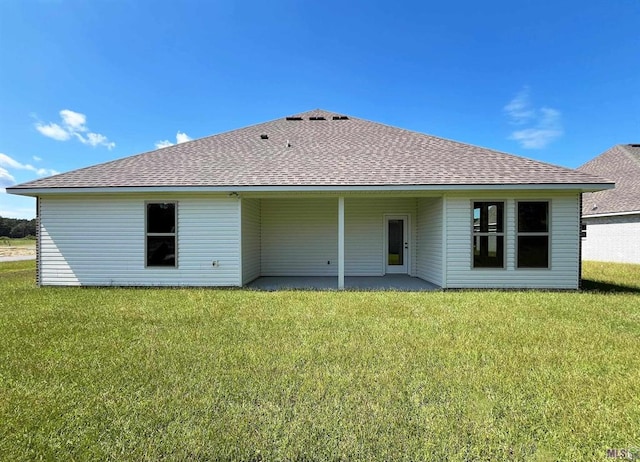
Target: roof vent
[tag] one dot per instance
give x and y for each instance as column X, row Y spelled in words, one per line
column 317, row 118
column 294, row 118
column 340, row 118
column 264, row 137
column 635, row 145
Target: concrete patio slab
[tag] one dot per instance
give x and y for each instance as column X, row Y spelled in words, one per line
column 399, row 282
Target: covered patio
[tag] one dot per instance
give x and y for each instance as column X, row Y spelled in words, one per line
column 396, row 282
column 359, row 241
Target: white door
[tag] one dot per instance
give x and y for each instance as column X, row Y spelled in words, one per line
column 396, row 244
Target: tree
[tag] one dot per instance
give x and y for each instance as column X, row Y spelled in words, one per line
column 17, row 228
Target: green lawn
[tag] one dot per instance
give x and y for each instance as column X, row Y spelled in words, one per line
column 197, row 374
column 8, row 242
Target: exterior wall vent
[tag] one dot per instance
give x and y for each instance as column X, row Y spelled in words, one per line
column 294, row 118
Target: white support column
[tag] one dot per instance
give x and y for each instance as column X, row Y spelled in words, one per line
column 341, row 242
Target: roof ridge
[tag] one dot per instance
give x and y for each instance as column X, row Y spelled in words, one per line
column 319, row 111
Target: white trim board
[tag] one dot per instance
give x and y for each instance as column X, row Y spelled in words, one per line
column 611, row 214
column 584, row 187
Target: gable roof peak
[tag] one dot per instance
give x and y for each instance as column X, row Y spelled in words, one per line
column 621, row 163
column 632, row 150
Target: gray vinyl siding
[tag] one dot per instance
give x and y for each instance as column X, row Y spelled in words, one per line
column 364, row 233
column 429, row 240
column 612, row 238
column 38, row 243
column 250, row 240
column 299, row 237
column 564, row 236
column 101, row 241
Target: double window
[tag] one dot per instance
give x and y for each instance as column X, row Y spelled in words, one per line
column 533, row 235
column 488, row 234
column 161, row 234
column 531, row 240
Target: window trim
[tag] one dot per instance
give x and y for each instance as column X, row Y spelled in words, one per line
column 503, row 234
column 532, row 234
column 147, row 234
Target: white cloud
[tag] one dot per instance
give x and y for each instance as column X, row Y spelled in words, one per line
column 6, row 179
column 549, row 116
column 36, row 158
column 74, row 120
column 54, row 131
column 163, row 144
column 74, row 124
column 9, row 162
column 180, row 138
column 535, row 138
column 544, row 124
column 95, row 139
column 519, row 108
column 47, row 172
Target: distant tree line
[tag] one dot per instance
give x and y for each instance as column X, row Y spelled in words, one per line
column 17, row 228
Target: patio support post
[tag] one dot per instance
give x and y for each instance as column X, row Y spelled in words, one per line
column 340, row 242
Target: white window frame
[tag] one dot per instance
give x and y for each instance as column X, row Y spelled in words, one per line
column 519, row 233
column 475, row 234
column 147, row 234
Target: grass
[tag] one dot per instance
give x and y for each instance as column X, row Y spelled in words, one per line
column 198, row 374
column 25, row 242
column 611, row 277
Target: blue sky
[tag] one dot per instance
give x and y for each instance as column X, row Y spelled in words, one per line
column 83, row 82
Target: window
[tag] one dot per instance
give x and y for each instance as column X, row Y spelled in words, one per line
column 533, row 235
column 161, row 234
column 488, row 234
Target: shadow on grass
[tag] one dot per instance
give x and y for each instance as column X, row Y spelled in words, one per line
column 597, row 286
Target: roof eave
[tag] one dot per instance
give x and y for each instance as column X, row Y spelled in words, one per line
column 610, row 214
column 582, row 187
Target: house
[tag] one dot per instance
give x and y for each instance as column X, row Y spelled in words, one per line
column 315, row 194
column 612, row 217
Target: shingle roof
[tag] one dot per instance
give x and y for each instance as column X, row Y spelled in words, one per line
column 316, row 150
column 621, row 164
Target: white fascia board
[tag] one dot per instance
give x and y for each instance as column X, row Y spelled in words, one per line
column 582, row 187
column 611, row 214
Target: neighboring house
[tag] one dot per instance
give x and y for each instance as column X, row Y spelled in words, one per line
column 316, row 194
column 612, row 217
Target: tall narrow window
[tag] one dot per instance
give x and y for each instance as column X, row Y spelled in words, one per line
column 488, row 235
column 533, row 235
column 161, row 234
